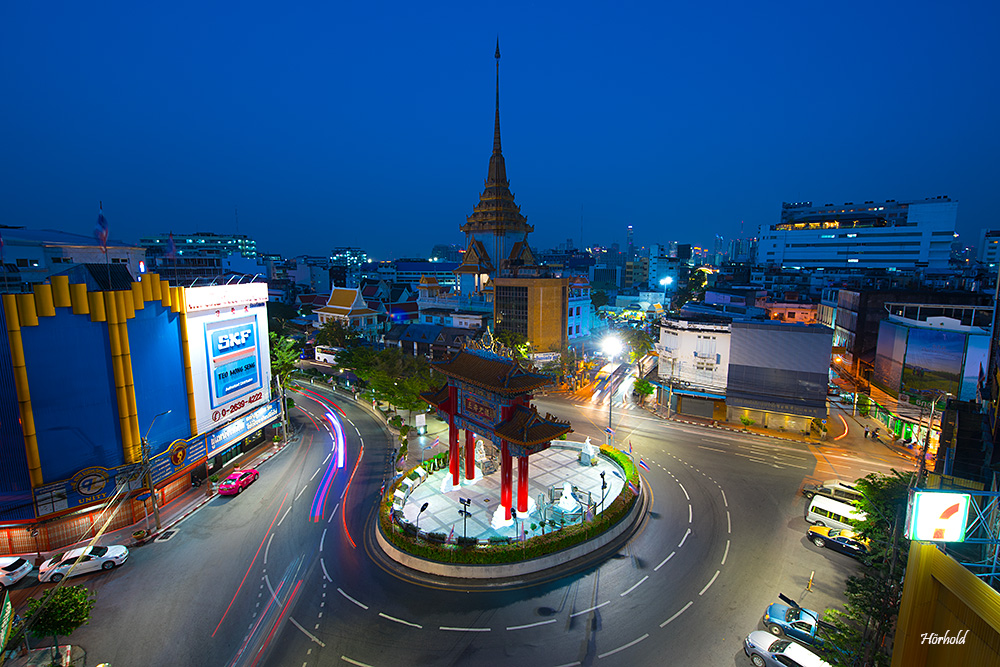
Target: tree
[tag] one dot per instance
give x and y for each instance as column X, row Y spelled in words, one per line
column 59, row 611
column 637, row 342
column 598, row 298
column 515, row 341
column 862, row 630
column 278, row 315
column 643, row 387
column 335, row 333
column 284, row 356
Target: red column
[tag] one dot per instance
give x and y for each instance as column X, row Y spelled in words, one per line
column 470, row 454
column 522, row 485
column 453, row 437
column 505, row 479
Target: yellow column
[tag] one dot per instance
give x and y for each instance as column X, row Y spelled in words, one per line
column 21, row 386
column 43, row 301
column 122, row 300
column 129, row 445
column 60, row 291
column 79, row 299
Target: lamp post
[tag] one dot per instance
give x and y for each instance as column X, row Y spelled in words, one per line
column 465, row 515
column 927, row 438
column 604, row 486
column 144, row 450
column 422, row 509
column 612, row 347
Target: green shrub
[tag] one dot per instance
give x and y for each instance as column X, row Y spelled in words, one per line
column 437, row 537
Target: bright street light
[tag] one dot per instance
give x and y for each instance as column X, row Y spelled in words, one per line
column 669, row 280
column 612, row 347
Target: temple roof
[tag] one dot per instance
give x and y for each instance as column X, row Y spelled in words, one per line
column 526, row 427
column 440, row 398
column 496, row 211
column 476, row 259
column 490, row 371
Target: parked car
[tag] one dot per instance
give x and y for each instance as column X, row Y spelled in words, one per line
column 91, row 559
column 799, row 624
column 13, row 570
column 833, row 488
column 237, row 481
column 767, row 651
column 839, row 539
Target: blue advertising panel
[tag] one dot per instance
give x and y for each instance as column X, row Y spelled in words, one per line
column 236, row 429
column 86, row 486
column 977, row 355
column 233, row 358
column 933, row 363
column 181, row 454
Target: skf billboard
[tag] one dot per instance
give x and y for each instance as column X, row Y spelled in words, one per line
column 936, row 516
column 228, row 345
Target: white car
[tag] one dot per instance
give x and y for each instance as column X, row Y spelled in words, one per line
column 13, row 570
column 93, row 559
column 765, row 650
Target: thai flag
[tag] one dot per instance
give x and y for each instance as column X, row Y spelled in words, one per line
column 631, row 487
column 171, row 251
column 642, row 464
column 630, row 448
column 451, row 534
column 101, row 230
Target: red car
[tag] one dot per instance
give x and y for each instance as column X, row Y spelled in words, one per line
column 237, row 481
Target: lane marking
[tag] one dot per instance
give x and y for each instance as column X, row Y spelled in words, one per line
column 531, row 625
column 724, row 501
column 300, row 493
column 685, row 491
column 729, row 523
column 579, row 613
column 315, row 473
column 399, row 620
column 655, row 569
column 684, row 538
column 683, row 609
column 326, row 459
column 320, row 544
column 333, row 512
column 712, row 448
column 341, row 591
column 635, row 586
column 354, row 662
column 622, row 648
column 284, row 515
column 306, row 632
column 322, row 564
column 710, row 582
column 726, row 553
column 268, row 547
column 570, row 664
column 690, row 514
column 444, row 627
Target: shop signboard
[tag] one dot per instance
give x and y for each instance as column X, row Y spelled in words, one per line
column 937, row 516
column 180, row 455
column 219, row 440
column 229, row 351
column 87, row 486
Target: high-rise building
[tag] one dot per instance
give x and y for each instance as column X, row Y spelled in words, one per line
column 875, row 235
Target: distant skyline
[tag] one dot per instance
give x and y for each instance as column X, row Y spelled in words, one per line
column 372, row 125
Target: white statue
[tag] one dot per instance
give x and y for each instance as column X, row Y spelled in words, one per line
column 568, row 502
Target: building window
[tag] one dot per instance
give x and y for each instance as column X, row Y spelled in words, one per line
column 578, row 311
column 578, row 328
column 569, row 331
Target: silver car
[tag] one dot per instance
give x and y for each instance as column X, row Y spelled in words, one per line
column 12, row 570
column 90, row 559
column 765, row 650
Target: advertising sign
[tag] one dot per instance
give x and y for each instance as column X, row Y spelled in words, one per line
column 180, row 455
column 6, row 619
column 229, row 351
column 87, row 486
column 226, row 436
column 936, row 516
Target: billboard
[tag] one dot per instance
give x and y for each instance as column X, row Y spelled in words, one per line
column 219, row 440
column 933, row 363
column 229, row 351
column 889, row 356
column 937, row 516
column 977, row 355
column 87, row 486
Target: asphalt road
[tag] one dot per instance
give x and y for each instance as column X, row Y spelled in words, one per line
column 283, row 575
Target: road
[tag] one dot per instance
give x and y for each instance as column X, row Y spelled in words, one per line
column 283, row 575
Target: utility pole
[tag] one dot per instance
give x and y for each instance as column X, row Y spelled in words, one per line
column 144, row 450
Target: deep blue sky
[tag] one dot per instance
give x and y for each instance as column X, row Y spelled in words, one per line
column 371, row 124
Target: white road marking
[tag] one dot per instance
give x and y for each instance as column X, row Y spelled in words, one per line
column 341, row 591
column 301, row 492
column 333, row 512
column 399, row 620
column 792, row 465
column 444, row 627
column 531, row 625
column 690, row 514
column 683, row 609
column 284, row 515
column 585, row 611
column 685, row 491
column 710, row 582
column 320, row 541
column 268, row 547
column 354, row 662
column 570, row 664
column 724, row 501
column 729, row 523
column 315, row 473
column 327, row 458
column 306, row 632
column 712, row 448
column 664, row 561
column 322, row 564
column 685, row 536
column 622, row 648
column 726, row 553
column 635, row 586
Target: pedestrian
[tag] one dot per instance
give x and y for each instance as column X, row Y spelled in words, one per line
column 866, row 432
column 875, row 435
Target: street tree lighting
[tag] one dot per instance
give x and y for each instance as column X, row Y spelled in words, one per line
column 612, row 347
column 144, row 451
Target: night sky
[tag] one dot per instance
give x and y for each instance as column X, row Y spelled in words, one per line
column 371, row 124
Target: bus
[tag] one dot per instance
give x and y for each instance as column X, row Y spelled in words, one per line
column 327, row 354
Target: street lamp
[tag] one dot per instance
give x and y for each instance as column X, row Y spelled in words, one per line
column 612, row 347
column 465, row 515
column 144, row 450
column 423, row 508
column 604, row 486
